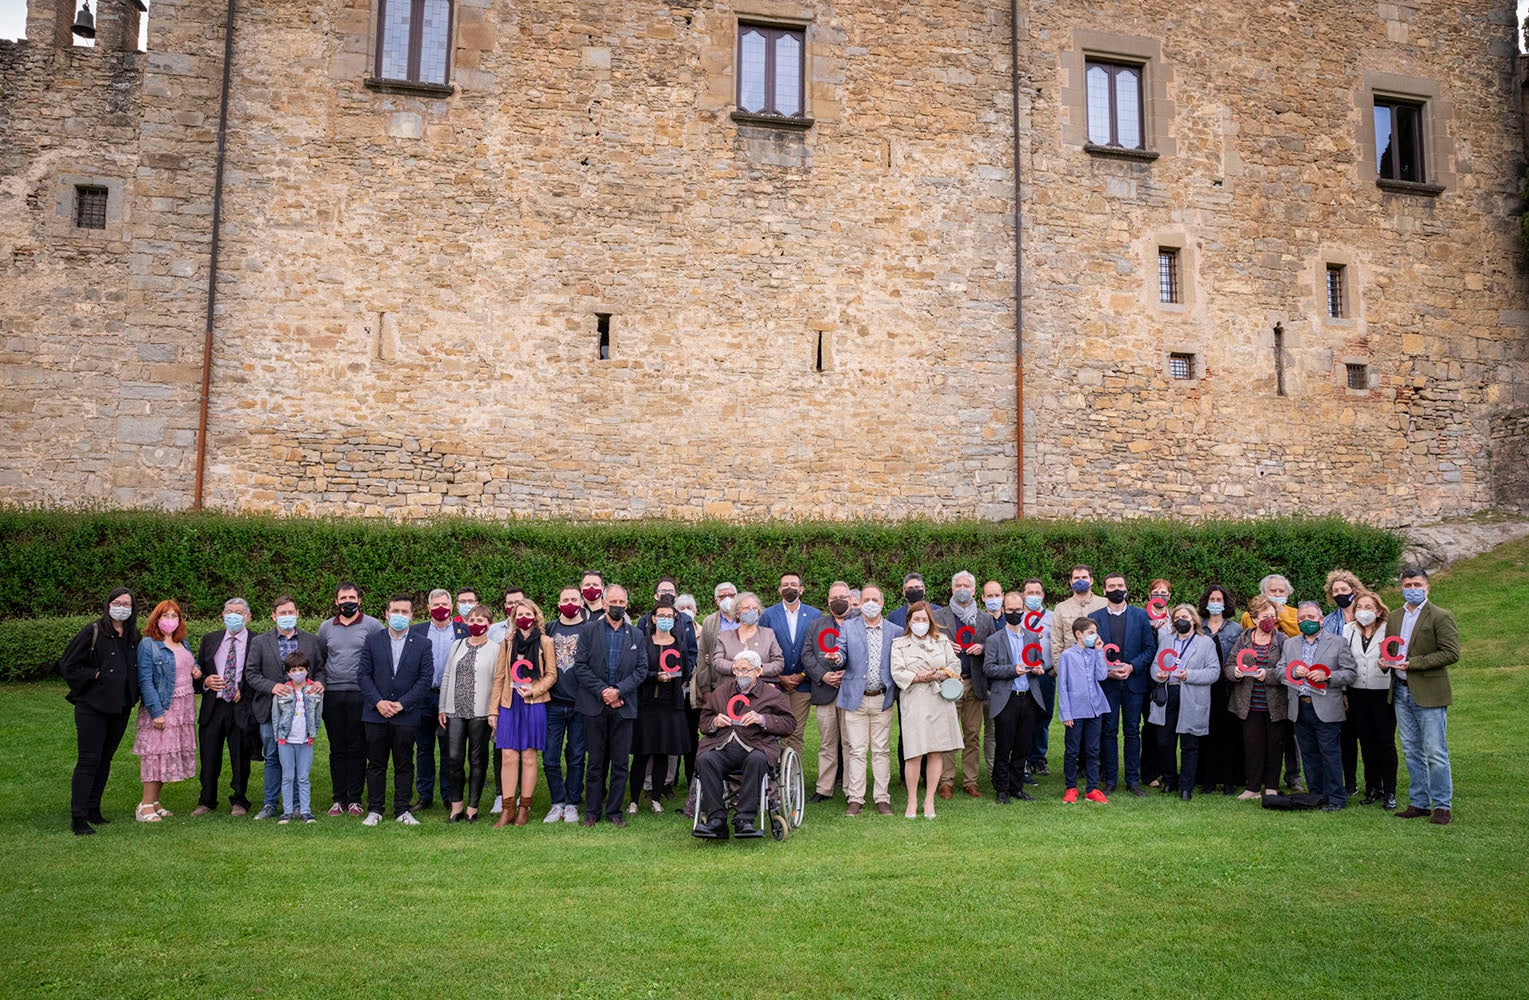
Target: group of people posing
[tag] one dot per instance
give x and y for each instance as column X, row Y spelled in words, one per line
column 614, row 707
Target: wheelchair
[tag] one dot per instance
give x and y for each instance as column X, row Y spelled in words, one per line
column 782, row 797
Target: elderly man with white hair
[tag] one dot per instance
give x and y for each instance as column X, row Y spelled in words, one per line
column 224, row 718
column 967, row 625
column 742, row 725
column 430, row 740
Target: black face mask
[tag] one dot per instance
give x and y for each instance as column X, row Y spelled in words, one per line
column 1014, row 617
column 616, row 614
column 789, row 595
column 1182, row 626
column 348, row 609
column 1343, row 600
column 839, row 607
column 1115, row 596
column 913, row 595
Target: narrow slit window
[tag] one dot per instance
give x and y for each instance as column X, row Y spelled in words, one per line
column 1279, row 359
column 603, row 324
column 1181, row 365
column 1169, row 287
column 1358, row 376
column 1337, row 304
column 89, row 207
column 818, row 360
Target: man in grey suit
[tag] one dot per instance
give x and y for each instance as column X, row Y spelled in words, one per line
column 1317, row 666
column 865, row 697
column 968, row 626
column 265, row 676
column 1014, row 659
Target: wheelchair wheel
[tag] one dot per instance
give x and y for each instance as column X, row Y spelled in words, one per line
column 780, row 829
column 793, row 791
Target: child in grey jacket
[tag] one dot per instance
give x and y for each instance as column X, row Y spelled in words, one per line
column 295, row 718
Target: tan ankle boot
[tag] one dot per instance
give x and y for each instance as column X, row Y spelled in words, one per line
column 522, row 811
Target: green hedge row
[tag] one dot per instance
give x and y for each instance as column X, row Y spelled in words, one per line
column 57, row 562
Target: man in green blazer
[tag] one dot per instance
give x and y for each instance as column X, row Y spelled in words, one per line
column 1420, row 691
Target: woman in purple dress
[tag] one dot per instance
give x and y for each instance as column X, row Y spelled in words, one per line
column 517, row 709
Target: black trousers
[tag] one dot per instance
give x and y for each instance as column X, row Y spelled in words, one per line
column 1153, row 767
column 1013, row 733
column 222, row 729
column 1170, row 742
column 1292, row 752
column 97, row 736
column 384, row 739
column 608, row 738
column 1373, row 719
column 347, row 744
column 1263, row 748
column 467, row 742
column 716, row 765
column 1221, row 749
column 640, row 763
column 693, row 717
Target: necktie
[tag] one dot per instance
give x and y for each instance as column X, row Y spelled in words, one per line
column 230, row 671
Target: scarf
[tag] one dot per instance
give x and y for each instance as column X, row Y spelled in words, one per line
column 967, row 617
column 528, row 647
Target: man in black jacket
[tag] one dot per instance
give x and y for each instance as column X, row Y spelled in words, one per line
column 610, row 665
column 225, row 717
column 266, row 676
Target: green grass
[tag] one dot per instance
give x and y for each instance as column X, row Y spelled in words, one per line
column 1150, row 898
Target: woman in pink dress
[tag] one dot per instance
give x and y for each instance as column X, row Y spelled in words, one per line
column 166, row 741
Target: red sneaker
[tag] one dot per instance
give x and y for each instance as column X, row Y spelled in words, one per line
column 1070, row 796
column 1097, row 796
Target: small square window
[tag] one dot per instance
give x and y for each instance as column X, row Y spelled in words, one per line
column 1181, row 365
column 1358, row 376
column 1337, row 304
column 1399, row 140
column 1115, row 107
column 89, row 207
column 772, row 71
column 1169, row 288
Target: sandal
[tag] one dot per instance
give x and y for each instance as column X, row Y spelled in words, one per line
column 150, row 817
column 161, row 810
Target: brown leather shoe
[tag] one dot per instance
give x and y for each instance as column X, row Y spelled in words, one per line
column 885, row 808
column 1440, row 817
column 854, row 809
column 970, row 788
column 586, row 821
column 200, row 811
column 238, row 811
column 1412, row 812
column 944, row 791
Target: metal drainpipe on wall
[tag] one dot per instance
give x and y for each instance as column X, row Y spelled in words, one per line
column 1019, row 285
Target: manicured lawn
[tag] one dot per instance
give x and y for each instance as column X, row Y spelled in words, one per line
column 1152, row 898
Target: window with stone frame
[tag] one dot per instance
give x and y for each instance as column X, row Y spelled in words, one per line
column 772, row 70
column 1116, row 111
column 414, row 40
column 1399, row 140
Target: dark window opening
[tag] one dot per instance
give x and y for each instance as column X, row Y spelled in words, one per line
column 1168, row 285
column 1181, row 365
column 90, row 207
column 1337, row 308
column 1115, row 105
column 772, row 71
column 1358, row 376
column 603, row 324
column 1399, row 140
column 414, row 40
column 818, row 363
column 1279, row 359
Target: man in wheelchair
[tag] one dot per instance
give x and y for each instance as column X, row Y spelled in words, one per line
column 742, row 724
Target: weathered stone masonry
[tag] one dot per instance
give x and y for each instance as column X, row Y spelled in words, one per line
column 409, row 283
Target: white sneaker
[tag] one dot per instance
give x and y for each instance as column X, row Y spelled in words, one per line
column 570, row 814
column 554, row 814
column 372, row 819
column 655, row 806
column 631, row 810
column 407, row 818
column 498, row 806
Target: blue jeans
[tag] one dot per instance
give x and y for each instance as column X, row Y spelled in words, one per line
column 564, row 724
column 1082, row 739
column 272, row 765
column 296, row 762
column 1321, row 754
column 1040, row 743
column 1122, row 701
column 1429, row 785
column 430, row 738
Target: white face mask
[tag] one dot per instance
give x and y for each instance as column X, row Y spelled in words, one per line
column 119, row 613
column 870, row 609
column 1365, row 617
column 919, row 629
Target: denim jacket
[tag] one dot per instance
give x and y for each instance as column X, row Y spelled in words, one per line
column 156, row 675
column 284, row 708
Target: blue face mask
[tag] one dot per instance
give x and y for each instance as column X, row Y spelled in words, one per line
column 1090, row 639
column 1214, row 607
column 1081, row 586
column 1033, row 603
column 994, row 604
column 398, row 623
column 664, row 624
column 1414, row 595
column 286, row 622
column 233, row 622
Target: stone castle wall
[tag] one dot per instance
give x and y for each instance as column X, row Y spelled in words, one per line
column 410, row 283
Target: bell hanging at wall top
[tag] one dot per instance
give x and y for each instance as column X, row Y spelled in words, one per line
column 84, row 22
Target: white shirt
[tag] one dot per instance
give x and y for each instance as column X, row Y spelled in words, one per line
column 1409, row 621
column 791, row 618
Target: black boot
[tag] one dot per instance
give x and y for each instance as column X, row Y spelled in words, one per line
column 81, row 828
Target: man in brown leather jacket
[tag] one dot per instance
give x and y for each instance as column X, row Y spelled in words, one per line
column 742, row 724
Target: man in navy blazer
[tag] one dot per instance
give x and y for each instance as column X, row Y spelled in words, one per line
column 865, row 695
column 441, row 632
column 789, row 620
column 1128, row 628
column 394, row 676
column 610, row 665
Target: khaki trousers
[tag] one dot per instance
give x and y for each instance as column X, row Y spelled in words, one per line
column 801, row 705
column 830, row 733
column 868, row 729
column 970, row 710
